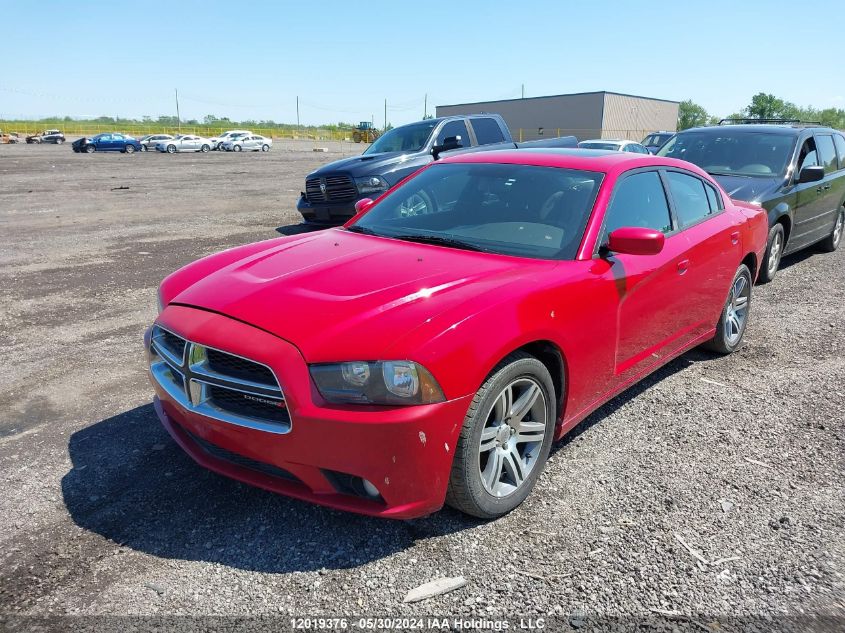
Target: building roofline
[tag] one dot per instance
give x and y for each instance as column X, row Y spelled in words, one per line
column 571, row 94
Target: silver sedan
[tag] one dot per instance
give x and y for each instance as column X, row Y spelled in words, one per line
column 184, row 143
column 247, row 143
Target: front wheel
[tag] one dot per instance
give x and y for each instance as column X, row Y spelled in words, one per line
column 90, row 149
column 774, row 251
column 832, row 241
column 129, row 149
column 237, row 148
column 171, row 149
column 734, row 319
column 265, row 148
column 59, row 141
column 505, row 439
column 205, row 148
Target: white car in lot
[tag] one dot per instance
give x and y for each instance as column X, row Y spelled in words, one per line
column 614, row 145
column 217, row 141
column 248, row 143
column 185, row 143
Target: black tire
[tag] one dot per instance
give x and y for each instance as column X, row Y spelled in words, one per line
column 237, row 148
column 721, row 343
column 171, row 149
column 832, row 241
column 465, row 491
column 205, row 148
column 90, row 149
column 129, row 149
column 265, row 148
column 59, row 141
column 145, row 148
column 771, row 261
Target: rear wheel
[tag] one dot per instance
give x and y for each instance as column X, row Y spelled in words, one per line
column 505, row 439
column 731, row 326
column 171, row 149
column 356, row 136
column 832, row 241
column 59, row 141
column 237, row 148
column 774, row 251
column 129, row 149
column 90, row 149
column 205, row 148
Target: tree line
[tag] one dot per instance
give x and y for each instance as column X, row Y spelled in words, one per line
column 762, row 106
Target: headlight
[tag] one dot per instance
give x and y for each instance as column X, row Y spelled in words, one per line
column 382, row 382
column 371, row 184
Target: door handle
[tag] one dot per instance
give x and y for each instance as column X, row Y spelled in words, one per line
column 683, row 265
column 735, row 237
column 826, row 187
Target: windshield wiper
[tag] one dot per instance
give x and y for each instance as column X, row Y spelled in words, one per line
column 360, row 229
column 439, row 240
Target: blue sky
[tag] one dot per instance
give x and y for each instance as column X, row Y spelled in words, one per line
column 251, row 59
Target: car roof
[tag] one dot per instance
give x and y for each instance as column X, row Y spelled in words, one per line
column 597, row 160
column 785, row 129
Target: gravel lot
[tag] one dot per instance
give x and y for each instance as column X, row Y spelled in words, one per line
column 741, row 458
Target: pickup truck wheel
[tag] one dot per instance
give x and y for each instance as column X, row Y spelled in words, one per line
column 832, row 241
column 419, row 203
column 731, row 326
column 90, row 149
column 171, row 149
column 129, row 149
column 505, row 439
column 774, row 251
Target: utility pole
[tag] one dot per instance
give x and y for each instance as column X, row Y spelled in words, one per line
column 523, row 91
column 297, row 111
column 385, row 115
column 425, row 106
column 178, row 118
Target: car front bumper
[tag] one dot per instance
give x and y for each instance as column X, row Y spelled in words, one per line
column 332, row 213
column 405, row 452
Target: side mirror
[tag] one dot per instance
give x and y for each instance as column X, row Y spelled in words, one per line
column 449, row 143
column 813, row 173
column 362, row 205
column 635, row 240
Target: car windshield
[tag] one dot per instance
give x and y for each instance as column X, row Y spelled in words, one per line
column 656, row 139
column 408, row 138
column 611, row 146
column 520, row 210
column 723, row 152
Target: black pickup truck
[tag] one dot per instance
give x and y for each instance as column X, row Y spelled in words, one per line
column 332, row 191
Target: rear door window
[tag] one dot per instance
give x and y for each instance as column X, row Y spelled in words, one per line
column 487, row 131
column 839, row 142
column 690, row 198
column 827, row 153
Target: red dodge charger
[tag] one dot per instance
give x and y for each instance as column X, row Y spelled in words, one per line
column 434, row 347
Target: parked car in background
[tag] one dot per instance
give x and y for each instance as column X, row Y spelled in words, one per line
column 150, row 141
column 216, row 141
column 47, row 136
column 613, row 145
column 184, row 143
column 332, row 190
column 9, row 138
column 247, row 143
column 655, row 140
column 108, row 142
column 796, row 172
column 419, row 356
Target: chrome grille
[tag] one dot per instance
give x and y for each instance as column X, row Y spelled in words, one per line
column 330, row 189
column 218, row 384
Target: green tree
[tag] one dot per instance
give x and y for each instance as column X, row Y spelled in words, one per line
column 768, row 106
column 691, row 115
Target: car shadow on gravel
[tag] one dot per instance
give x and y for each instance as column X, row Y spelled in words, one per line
column 132, row 484
column 304, row 227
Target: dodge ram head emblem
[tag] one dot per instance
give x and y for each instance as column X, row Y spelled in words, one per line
column 323, row 187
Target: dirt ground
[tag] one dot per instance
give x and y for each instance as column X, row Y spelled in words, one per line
column 737, row 459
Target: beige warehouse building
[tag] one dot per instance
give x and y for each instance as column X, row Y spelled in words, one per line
column 585, row 115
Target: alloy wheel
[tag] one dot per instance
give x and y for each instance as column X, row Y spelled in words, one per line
column 512, row 437
column 737, row 309
column 837, row 230
column 775, row 251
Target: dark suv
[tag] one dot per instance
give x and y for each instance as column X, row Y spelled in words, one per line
column 793, row 170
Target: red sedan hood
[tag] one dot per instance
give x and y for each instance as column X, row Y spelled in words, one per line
column 337, row 295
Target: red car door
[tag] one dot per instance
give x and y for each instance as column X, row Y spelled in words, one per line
column 651, row 290
column 713, row 247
